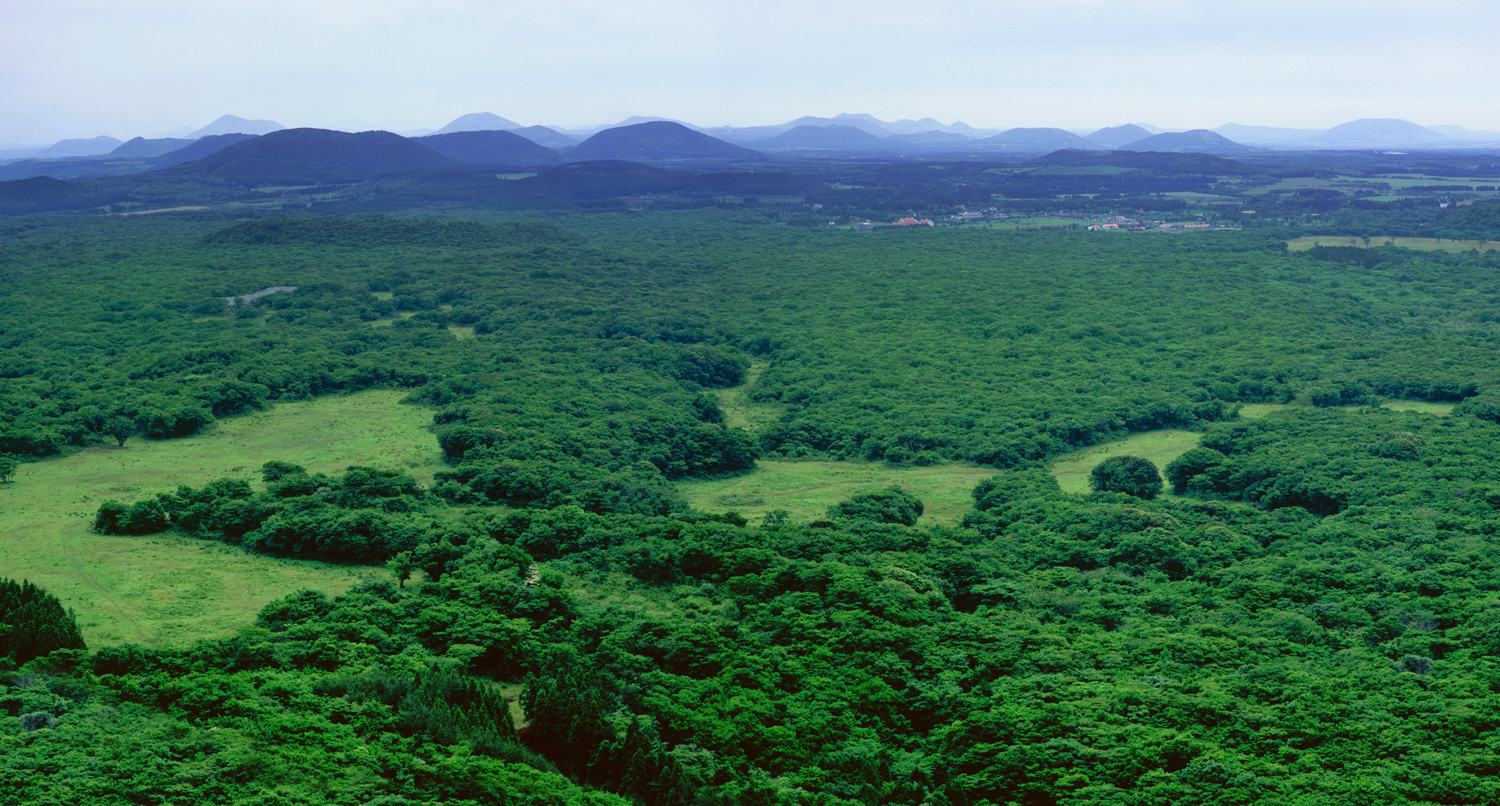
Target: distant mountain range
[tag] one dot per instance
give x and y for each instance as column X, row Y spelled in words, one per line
column 484, row 138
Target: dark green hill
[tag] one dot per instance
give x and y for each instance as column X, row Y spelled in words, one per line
column 43, row 194
column 655, row 141
column 314, row 156
column 1480, row 220
column 491, row 147
column 200, row 148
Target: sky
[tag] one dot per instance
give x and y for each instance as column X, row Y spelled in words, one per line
column 80, row 68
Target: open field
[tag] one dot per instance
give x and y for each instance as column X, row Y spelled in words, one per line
column 1419, row 244
column 1072, row 470
column 807, row 489
column 739, row 410
column 168, row 589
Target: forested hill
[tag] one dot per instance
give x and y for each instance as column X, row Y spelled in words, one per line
column 312, row 156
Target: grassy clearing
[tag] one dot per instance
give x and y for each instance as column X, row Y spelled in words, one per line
column 1419, row 244
column 808, row 489
column 1072, row 470
column 739, row 410
column 1438, row 409
column 167, row 589
column 1255, row 411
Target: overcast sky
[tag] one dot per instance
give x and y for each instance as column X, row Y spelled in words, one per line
column 79, row 68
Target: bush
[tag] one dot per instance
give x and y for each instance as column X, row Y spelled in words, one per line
column 1131, row 475
column 891, row 505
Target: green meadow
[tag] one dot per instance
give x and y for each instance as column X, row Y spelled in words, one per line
column 806, row 490
column 168, row 589
column 1072, row 469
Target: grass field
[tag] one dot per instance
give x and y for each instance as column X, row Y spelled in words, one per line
column 1419, row 244
column 739, row 410
column 807, row 489
column 1072, row 469
column 170, row 590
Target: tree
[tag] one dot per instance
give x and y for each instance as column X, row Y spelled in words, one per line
column 7, row 468
column 1131, row 475
column 891, row 505
column 121, row 428
column 1190, row 465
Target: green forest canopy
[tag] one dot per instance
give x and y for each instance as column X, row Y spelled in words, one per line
column 1312, row 620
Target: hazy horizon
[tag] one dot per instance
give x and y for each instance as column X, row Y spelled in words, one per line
column 83, row 68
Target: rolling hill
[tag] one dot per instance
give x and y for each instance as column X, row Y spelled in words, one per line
column 656, row 141
column 827, row 138
column 200, row 148
column 544, row 136
column 229, row 124
column 1038, row 140
column 1118, row 136
column 78, row 147
column 1201, row 141
column 1381, row 133
column 478, row 122
column 141, row 148
column 314, row 156
column 491, row 147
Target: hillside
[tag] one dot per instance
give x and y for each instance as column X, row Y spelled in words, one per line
column 1200, row 141
column 544, row 136
column 141, row 148
column 1118, row 136
column 836, row 137
column 314, row 156
column 42, row 194
column 1038, row 140
column 78, row 147
column 658, row 141
column 229, row 124
column 491, row 147
column 478, row 122
column 200, row 148
column 1381, row 133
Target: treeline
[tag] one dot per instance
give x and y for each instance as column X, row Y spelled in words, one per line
column 33, row 624
column 366, row 515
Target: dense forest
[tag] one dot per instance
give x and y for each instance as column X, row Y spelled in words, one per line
column 1302, row 609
